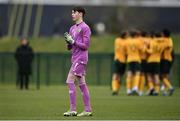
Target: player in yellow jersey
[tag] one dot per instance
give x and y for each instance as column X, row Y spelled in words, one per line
column 144, row 55
column 133, row 47
column 119, row 62
column 155, row 50
column 166, row 61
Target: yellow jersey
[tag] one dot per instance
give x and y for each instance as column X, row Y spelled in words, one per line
column 133, row 48
column 155, row 50
column 167, row 53
column 119, row 50
column 144, row 41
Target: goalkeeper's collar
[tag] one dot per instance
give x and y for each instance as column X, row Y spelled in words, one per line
column 79, row 23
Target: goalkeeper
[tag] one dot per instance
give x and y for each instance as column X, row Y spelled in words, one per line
column 78, row 40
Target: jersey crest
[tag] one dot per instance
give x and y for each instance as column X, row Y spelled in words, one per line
column 78, row 30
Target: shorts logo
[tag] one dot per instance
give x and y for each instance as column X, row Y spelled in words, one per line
column 75, row 66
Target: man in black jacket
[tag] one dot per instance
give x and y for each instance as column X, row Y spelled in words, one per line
column 24, row 57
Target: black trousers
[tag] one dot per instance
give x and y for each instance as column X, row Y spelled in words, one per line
column 23, row 81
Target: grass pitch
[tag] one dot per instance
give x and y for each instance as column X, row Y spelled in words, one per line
column 55, row 45
column 51, row 102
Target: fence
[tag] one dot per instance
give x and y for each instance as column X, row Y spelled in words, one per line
column 52, row 69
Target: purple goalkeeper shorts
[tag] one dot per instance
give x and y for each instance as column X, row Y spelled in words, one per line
column 77, row 69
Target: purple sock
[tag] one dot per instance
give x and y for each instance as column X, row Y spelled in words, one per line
column 86, row 98
column 72, row 94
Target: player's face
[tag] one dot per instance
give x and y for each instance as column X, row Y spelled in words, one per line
column 75, row 15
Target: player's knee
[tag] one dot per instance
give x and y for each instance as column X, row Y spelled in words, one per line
column 71, row 78
column 71, row 91
column 116, row 76
column 69, row 81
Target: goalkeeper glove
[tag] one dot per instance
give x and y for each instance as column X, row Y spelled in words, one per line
column 68, row 38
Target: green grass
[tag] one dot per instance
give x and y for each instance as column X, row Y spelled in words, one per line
column 99, row 44
column 50, row 44
column 51, row 102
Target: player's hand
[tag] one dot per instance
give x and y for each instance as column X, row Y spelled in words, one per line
column 65, row 36
column 68, row 38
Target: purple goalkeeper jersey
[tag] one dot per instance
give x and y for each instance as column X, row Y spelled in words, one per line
column 79, row 50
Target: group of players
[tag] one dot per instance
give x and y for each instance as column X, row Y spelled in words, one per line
column 147, row 57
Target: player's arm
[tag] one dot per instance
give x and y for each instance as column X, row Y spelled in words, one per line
column 125, row 48
column 143, row 47
column 149, row 49
column 116, row 45
column 165, row 45
column 169, row 44
column 86, row 38
column 140, row 45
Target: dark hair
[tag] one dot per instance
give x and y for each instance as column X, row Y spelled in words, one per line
column 144, row 33
column 123, row 34
column 152, row 33
column 157, row 34
column 166, row 32
column 134, row 33
column 79, row 9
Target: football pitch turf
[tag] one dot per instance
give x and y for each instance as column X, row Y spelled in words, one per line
column 49, row 103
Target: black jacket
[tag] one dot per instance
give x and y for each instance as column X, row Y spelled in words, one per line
column 24, row 56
